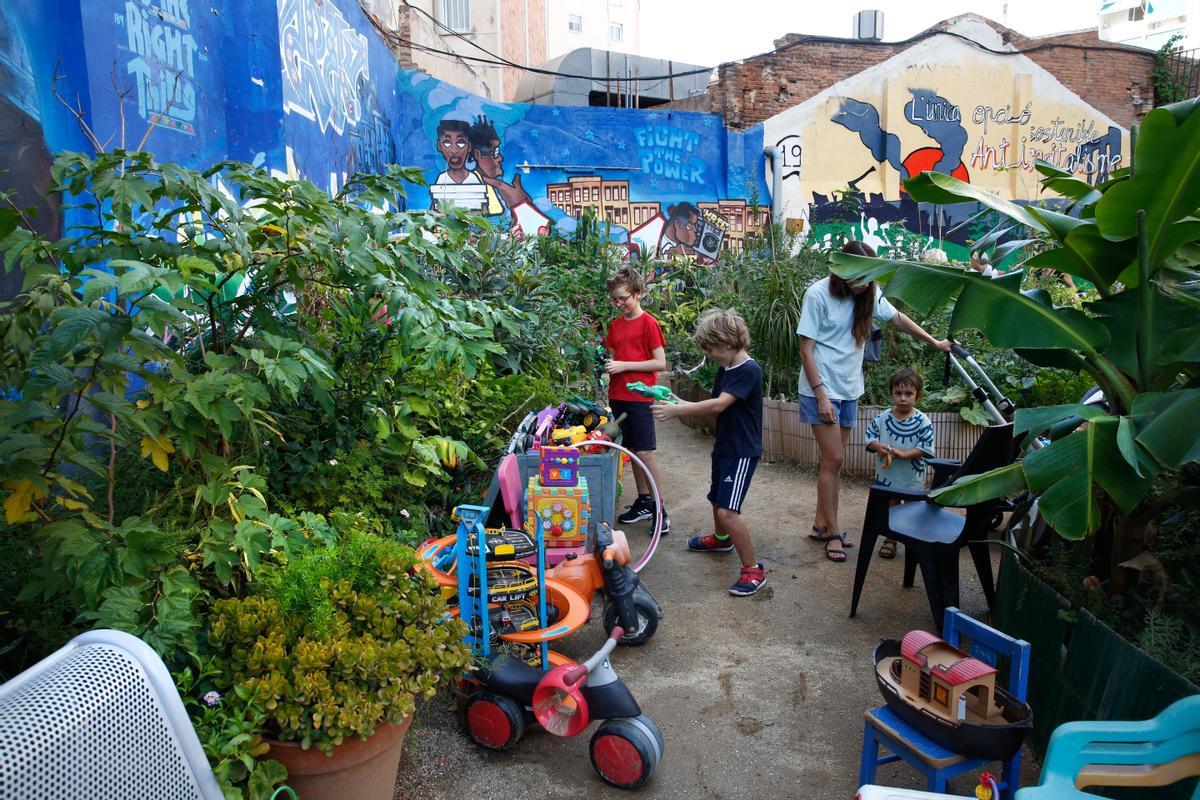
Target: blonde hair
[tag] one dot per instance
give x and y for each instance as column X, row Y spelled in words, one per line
column 626, row 277
column 720, row 327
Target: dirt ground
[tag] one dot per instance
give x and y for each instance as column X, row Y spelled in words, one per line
column 758, row 697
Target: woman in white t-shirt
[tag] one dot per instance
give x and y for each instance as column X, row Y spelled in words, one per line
column 835, row 324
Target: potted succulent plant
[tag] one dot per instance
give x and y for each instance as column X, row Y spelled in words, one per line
column 338, row 645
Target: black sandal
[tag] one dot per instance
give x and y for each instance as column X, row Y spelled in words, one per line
column 836, row 556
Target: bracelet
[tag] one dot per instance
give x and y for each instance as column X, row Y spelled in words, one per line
column 818, row 386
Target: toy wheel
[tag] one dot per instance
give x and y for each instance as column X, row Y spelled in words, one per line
column 625, row 752
column 647, row 615
column 493, row 721
column 996, row 522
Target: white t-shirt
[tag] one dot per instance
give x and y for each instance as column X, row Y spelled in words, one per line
column 829, row 322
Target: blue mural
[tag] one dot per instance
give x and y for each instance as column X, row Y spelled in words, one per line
column 307, row 88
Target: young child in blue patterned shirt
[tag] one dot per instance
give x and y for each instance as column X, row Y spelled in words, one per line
column 902, row 438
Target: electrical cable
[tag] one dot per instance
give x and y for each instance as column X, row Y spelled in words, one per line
column 497, row 60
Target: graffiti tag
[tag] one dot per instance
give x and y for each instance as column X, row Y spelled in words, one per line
column 985, row 115
column 324, row 58
column 163, row 61
column 792, row 152
column 663, row 150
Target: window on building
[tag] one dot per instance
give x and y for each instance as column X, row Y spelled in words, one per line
column 941, row 695
column 608, row 193
column 575, row 23
column 455, row 14
column 1137, row 13
column 615, row 32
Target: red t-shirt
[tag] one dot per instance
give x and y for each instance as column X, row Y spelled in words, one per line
column 633, row 340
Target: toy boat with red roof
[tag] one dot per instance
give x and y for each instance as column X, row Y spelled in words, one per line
column 950, row 697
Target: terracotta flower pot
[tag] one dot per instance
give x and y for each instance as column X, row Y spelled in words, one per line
column 364, row 770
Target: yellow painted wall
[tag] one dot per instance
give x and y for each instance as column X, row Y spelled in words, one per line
column 947, row 104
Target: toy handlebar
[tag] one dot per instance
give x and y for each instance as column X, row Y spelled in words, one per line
column 659, row 393
column 579, row 673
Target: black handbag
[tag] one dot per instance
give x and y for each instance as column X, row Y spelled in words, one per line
column 873, row 349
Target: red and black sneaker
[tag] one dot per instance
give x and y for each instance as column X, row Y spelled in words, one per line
column 749, row 581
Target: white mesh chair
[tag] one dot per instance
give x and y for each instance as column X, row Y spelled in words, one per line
column 100, row 718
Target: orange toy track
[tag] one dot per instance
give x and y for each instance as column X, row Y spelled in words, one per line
column 573, row 608
column 572, row 614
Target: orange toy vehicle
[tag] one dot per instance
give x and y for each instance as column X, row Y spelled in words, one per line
column 605, row 567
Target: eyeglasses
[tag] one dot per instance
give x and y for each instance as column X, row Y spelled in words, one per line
column 490, row 153
column 619, row 299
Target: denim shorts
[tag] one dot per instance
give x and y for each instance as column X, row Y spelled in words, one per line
column 846, row 411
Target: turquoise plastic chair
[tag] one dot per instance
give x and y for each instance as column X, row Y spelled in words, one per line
column 1152, row 753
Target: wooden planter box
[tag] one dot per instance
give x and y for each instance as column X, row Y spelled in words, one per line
column 786, row 439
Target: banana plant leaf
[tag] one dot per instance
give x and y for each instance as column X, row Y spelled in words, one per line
column 1166, row 184
column 974, row 489
column 1182, row 345
column 1121, row 315
column 1038, row 420
column 1084, row 252
column 1168, row 425
column 994, row 307
column 935, row 187
column 1064, row 183
column 1067, row 471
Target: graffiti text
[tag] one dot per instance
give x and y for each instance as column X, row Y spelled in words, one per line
column 663, row 149
column 163, row 62
column 324, row 58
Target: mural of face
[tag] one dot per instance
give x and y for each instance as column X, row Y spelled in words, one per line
column 682, row 226
column 454, row 145
column 489, row 160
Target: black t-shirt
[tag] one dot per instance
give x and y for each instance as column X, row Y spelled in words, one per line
column 739, row 427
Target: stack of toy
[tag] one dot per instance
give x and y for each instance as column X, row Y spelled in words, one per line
column 558, row 496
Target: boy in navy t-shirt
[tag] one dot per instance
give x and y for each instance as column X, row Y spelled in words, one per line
column 736, row 401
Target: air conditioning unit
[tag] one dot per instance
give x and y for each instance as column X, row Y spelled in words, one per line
column 868, row 25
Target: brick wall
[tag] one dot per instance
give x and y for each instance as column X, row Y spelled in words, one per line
column 1115, row 79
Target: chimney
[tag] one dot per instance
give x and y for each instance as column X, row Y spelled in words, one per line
column 868, row 25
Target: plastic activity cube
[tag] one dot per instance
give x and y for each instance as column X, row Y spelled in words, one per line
column 565, row 512
column 560, row 466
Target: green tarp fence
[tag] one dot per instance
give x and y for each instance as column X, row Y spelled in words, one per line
column 1080, row 668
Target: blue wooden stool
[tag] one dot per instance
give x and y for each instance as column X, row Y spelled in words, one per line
column 939, row 764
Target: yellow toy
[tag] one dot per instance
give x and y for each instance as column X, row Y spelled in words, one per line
column 565, row 511
column 565, row 437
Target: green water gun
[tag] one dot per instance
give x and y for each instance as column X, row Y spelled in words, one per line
column 660, row 393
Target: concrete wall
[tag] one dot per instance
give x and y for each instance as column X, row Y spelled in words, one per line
column 308, row 88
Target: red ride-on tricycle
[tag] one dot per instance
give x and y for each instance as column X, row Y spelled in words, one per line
column 508, row 694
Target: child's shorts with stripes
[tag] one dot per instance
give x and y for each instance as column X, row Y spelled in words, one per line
column 730, row 481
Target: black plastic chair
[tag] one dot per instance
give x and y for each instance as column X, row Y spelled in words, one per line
column 933, row 534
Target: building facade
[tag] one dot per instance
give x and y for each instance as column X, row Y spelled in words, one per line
column 599, row 24
column 460, row 41
column 1143, row 23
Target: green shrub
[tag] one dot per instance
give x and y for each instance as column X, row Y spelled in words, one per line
column 339, row 641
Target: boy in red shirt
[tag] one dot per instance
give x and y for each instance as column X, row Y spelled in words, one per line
column 637, row 353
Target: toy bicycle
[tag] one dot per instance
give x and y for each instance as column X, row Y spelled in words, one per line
column 508, row 693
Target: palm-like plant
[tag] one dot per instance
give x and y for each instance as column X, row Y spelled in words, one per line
column 1136, row 237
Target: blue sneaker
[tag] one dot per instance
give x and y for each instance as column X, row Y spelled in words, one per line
column 749, row 581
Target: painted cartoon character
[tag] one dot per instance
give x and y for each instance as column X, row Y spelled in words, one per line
column 489, row 166
column 457, row 185
column 676, row 234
